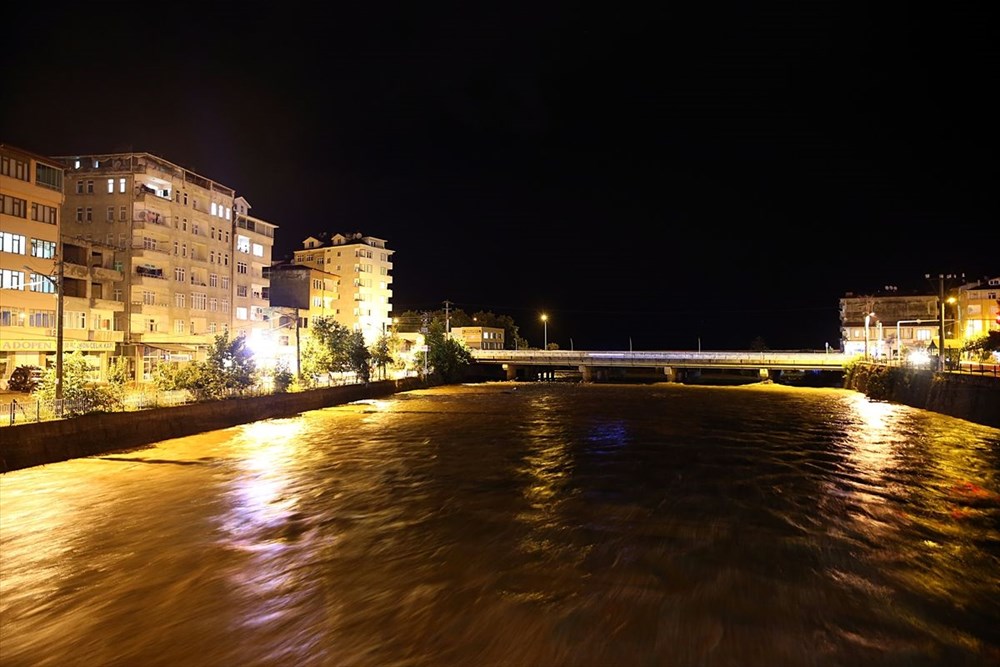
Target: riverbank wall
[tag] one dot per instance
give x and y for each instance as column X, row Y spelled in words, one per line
column 973, row 398
column 33, row 444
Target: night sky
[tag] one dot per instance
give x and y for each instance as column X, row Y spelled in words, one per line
column 655, row 179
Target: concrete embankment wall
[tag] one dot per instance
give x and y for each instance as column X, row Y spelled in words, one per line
column 27, row 445
column 971, row 397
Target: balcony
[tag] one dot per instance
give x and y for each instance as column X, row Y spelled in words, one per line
column 101, row 273
column 75, row 271
column 113, row 336
column 107, row 304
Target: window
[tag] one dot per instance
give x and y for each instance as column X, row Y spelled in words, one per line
column 241, row 290
column 184, row 250
column 40, row 283
column 122, row 213
column 258, row 250
column 148, row 243
column 213, row 304
column 14, row 206
column 176, row 247
column 43, row 213
column 42, row 248
column 79, row 187
column 151, row 326
column 10, row 279
column 225, row 282
column 241, row 267
column 90, row 214
column 179, row 300
column 14, row 168
column 111, row 185
column 74, row 320
column 121, row 185
column 224, row 305
column 211, row 257
column 179, row 274
column 199, row 300
column 111, row 214
column 11, row 316
column 213, row 280
column 215, row 208
column 90, row 187
column 241, row 313
column 13, row 243
column 195, row 229
column 79, row 215
column 317, row 302
column 242, row 243
column 45, row 319
column 179, row 326
column 149, row 298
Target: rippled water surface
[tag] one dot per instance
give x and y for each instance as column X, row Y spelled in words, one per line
column 520, row 524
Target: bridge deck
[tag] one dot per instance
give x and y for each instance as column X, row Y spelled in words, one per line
column 667, row 358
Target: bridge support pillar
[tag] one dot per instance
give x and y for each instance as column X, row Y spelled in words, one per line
column 670, row 373
column 763, row 373
column 511, row 371
column 587, row 373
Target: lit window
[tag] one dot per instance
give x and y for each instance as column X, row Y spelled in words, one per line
column 111, row 185
column 121, row 185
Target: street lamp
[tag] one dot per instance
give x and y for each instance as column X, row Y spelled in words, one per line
column 868, row 319
column 545, row 325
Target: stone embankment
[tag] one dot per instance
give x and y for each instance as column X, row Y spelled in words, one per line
column 974, row 398
column 27, row 445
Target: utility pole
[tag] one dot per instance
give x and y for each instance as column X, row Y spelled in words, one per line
column 59, row 331
column 447, row 320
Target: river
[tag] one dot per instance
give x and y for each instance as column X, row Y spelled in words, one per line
column 520, row 524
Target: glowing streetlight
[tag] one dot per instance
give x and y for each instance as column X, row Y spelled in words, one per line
column 545, row 325
column 868, row 319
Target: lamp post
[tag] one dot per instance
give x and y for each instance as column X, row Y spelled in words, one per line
column 57, row 282
column 868, row 319
column 545, row 328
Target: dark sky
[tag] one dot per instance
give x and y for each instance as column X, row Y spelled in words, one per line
column 718, row 173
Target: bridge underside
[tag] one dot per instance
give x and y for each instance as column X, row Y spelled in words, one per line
column 688, row 375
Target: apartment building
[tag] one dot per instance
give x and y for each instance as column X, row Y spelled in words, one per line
column 363, row 265
column 253, row 245
column 891, row 323
column 31, row 195
column 298, row 294
column 172, row 234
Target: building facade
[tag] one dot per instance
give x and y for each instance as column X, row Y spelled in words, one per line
column 479, row 338
column 32, row 257
column 173, row 235
column 363, row 267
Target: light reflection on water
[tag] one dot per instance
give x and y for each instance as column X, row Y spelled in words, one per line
column 537, row 525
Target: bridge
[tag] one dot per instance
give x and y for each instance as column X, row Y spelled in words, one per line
column 672, row 364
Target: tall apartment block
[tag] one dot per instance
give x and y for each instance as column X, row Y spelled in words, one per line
column 188, row 270
column 362, row 301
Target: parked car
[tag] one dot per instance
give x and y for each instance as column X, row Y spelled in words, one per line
column 25, row 378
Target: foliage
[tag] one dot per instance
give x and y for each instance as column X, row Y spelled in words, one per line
column 119, row 379
column 332, row 345
column 381, row 354
column 982, row 347
column 229, row 369
column 79, row 395
column 359, row 357
column 447, row 356
column 414, row 321
column 282, row 378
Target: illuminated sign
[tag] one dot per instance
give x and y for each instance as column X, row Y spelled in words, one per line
column 50, row 345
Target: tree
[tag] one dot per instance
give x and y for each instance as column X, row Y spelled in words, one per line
column 80, row 395
column 381, row 354
column 333, row 345
column 447, row 356
column 982, row 347
column 359, row 357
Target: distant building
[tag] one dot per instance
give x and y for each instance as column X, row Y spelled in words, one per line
column 479, row 338
column 891, row 323
column 363, row 266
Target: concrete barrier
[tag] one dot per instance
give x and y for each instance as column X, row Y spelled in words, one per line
column 27, row 445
